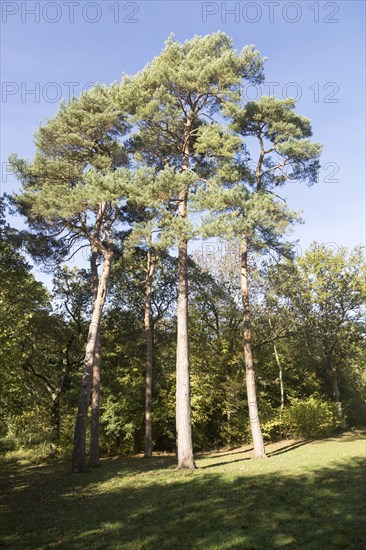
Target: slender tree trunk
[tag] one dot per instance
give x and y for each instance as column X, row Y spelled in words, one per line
column 282, row 391
column 55, row 420
column 95, row 405
column 280, row 376
column 255, row 427
column 183, row 391
column 149, row 357
column 336, row 392
column 79, row 449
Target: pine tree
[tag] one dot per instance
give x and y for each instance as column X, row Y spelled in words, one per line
column 243, row 203
column 69, row 195
column 144, row 220
column 174, row 99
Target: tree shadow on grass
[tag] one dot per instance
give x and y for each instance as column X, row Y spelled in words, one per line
column 286, row 448
column 130, row 505
column 228, row 453
column 139, row 464
column 225, row 463
column 290, row 447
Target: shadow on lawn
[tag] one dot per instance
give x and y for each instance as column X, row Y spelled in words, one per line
column 288, row 448
column 190, row 510
column 279, row 451
column 221, row 455
column 225, row 463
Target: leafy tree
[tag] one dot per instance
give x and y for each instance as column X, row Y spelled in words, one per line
column 275, row 325
column 125, row 350
column 40, row 347
column 72, row 303
column 21, row 298
column 327, row 290
column 215, row 327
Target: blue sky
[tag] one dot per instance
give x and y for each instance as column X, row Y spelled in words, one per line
column 315, row 51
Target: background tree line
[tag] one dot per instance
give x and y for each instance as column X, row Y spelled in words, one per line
column 43, row 342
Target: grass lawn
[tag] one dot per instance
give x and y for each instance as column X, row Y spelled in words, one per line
column 305, row 495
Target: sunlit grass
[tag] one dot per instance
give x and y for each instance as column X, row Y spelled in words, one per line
column 305, row 495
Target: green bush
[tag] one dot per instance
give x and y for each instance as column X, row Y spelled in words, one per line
column 272, row 430
column 29, row 429
column 311, row 417
column 64, row 447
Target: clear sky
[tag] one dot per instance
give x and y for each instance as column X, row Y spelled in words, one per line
column 315, row 51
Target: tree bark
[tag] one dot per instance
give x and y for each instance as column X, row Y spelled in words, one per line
column 97, row 366
column 149, row 357
column 183, row 392
column 95, row 405
column 280, row 376
column 280, row 371
column 55, row 420
column 79, row 448
column 282, row 390
column 255, row 427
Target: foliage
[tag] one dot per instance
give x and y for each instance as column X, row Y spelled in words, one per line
column 324, row 291
column 217, row 371
column 311, row 417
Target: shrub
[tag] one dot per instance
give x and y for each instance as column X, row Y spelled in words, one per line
column 29, row 429
column 310, row 417
column 272, row 429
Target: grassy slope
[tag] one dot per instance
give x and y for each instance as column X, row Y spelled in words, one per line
column 306, row 495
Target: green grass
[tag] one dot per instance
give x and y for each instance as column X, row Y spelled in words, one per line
column 305, row 495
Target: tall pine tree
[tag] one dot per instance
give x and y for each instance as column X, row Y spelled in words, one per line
column 174, row 100
column 244, row 205
column 69, row 195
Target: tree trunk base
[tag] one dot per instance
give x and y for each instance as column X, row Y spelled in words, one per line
column 187, row 466
column 94, row 464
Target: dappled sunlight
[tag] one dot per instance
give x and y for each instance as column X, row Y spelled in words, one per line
column 131, row 503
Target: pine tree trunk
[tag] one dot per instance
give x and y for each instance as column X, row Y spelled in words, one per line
column 183, row 399
column 97, row 366
column 95, row 405
column 79, row 449
column 149, row 357
column 255, row 427
column 183, row 391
